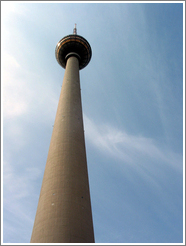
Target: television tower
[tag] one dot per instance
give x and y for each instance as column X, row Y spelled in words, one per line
column 64, row 212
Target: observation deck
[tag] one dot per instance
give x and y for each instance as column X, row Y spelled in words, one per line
column 73, row 45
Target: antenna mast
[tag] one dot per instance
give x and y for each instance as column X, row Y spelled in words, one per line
column 75, row 30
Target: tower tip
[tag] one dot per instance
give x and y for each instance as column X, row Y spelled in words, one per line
column 75, row 30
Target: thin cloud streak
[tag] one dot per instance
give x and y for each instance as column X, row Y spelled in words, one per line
column 128, row 147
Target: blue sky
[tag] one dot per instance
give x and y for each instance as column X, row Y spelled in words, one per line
column 132, row 96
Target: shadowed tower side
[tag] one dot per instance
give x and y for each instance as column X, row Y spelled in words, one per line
column 64, row 209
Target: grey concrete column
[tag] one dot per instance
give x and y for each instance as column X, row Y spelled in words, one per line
column 64, row 209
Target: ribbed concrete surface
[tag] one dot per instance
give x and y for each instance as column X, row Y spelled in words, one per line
column 64, row 209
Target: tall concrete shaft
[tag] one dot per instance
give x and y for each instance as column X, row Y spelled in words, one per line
column 64, row 209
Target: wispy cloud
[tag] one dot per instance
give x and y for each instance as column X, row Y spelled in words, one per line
column 129, row 148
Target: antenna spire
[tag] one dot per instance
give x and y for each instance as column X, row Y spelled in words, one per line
column 75, row 30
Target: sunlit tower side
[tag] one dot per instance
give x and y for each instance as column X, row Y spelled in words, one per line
column 64, row 213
